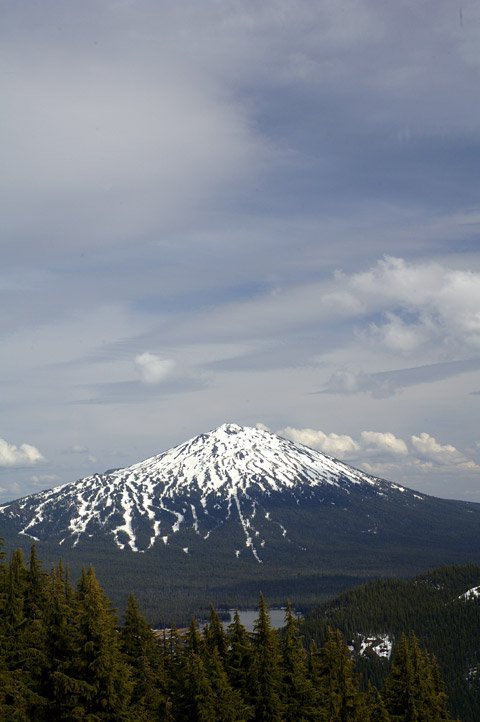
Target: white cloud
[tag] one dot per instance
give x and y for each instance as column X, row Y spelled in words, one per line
column 153, row 369
column 383, row 443
column 383, row 453
column 370, row 444
column 423, row 311
column 398, row 335
column 25, row 454
column 430, row 451
column 420, row 303
column 332, row 444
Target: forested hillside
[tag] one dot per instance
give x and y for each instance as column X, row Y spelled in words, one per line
column 65, row 657
column 430, row 605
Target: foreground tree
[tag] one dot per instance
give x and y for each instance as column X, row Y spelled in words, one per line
column 413, row 691
column 375, row 709
column 22, row 660
column 298, row 692
column 339, row 697
column 150, row 699
column 239, row 663
column 64, row 659
column 214, row 633
column 97, row 682
column 267, row 670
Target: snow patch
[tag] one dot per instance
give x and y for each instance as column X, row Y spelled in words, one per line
column 379, row 644
column 472, row 593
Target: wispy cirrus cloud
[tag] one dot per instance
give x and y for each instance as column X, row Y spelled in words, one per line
column 194, row 173
column 387, row 383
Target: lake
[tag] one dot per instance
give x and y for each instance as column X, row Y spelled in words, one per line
column 249, row 616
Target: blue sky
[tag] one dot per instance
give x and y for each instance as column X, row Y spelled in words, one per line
column 265, row 213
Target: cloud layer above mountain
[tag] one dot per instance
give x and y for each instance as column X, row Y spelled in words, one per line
column 241, row 211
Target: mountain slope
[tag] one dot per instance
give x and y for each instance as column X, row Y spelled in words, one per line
column 236, row 511
column 201, row 485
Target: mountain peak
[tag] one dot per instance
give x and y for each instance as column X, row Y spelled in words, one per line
column 229, row 472
column 229, row 428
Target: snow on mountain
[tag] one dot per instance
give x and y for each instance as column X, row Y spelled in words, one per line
column 379, row 644
column 472, row 593
column 228, row 473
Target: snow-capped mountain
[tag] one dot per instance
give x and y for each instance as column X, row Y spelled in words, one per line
column 236, row 511
column 231, row 474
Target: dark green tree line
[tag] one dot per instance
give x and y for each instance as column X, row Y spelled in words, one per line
column 64, row 657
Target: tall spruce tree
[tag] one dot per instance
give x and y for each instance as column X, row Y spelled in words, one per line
column 267, row 668
column 194, row 697
column 240, row 659
column 33, row 636
column 194, row 641
column 338, row 692
column 60, row 646
column 20, row 700
column 229, row 704
column 298, row 692
column 214, row 634
column 150, row 700
column 98, row 682
column 375, row 709
column 412, row 690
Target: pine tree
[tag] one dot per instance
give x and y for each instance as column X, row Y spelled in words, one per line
column 413, row 691
column 214, row 634
column 194, row 642
column 60, row 644
column 240, row 658
column 35, row 591
column 19, row 698
column 149, row 700
column 194, row 698
column 13, row 615
column 339, row 697
column 297, row 690
column 33, row 637
column 375, row 710
column 267, row 671
column 97, row 682
column 229, row 705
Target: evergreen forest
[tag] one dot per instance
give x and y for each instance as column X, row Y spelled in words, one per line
column 65, row 656
column 433, row 606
